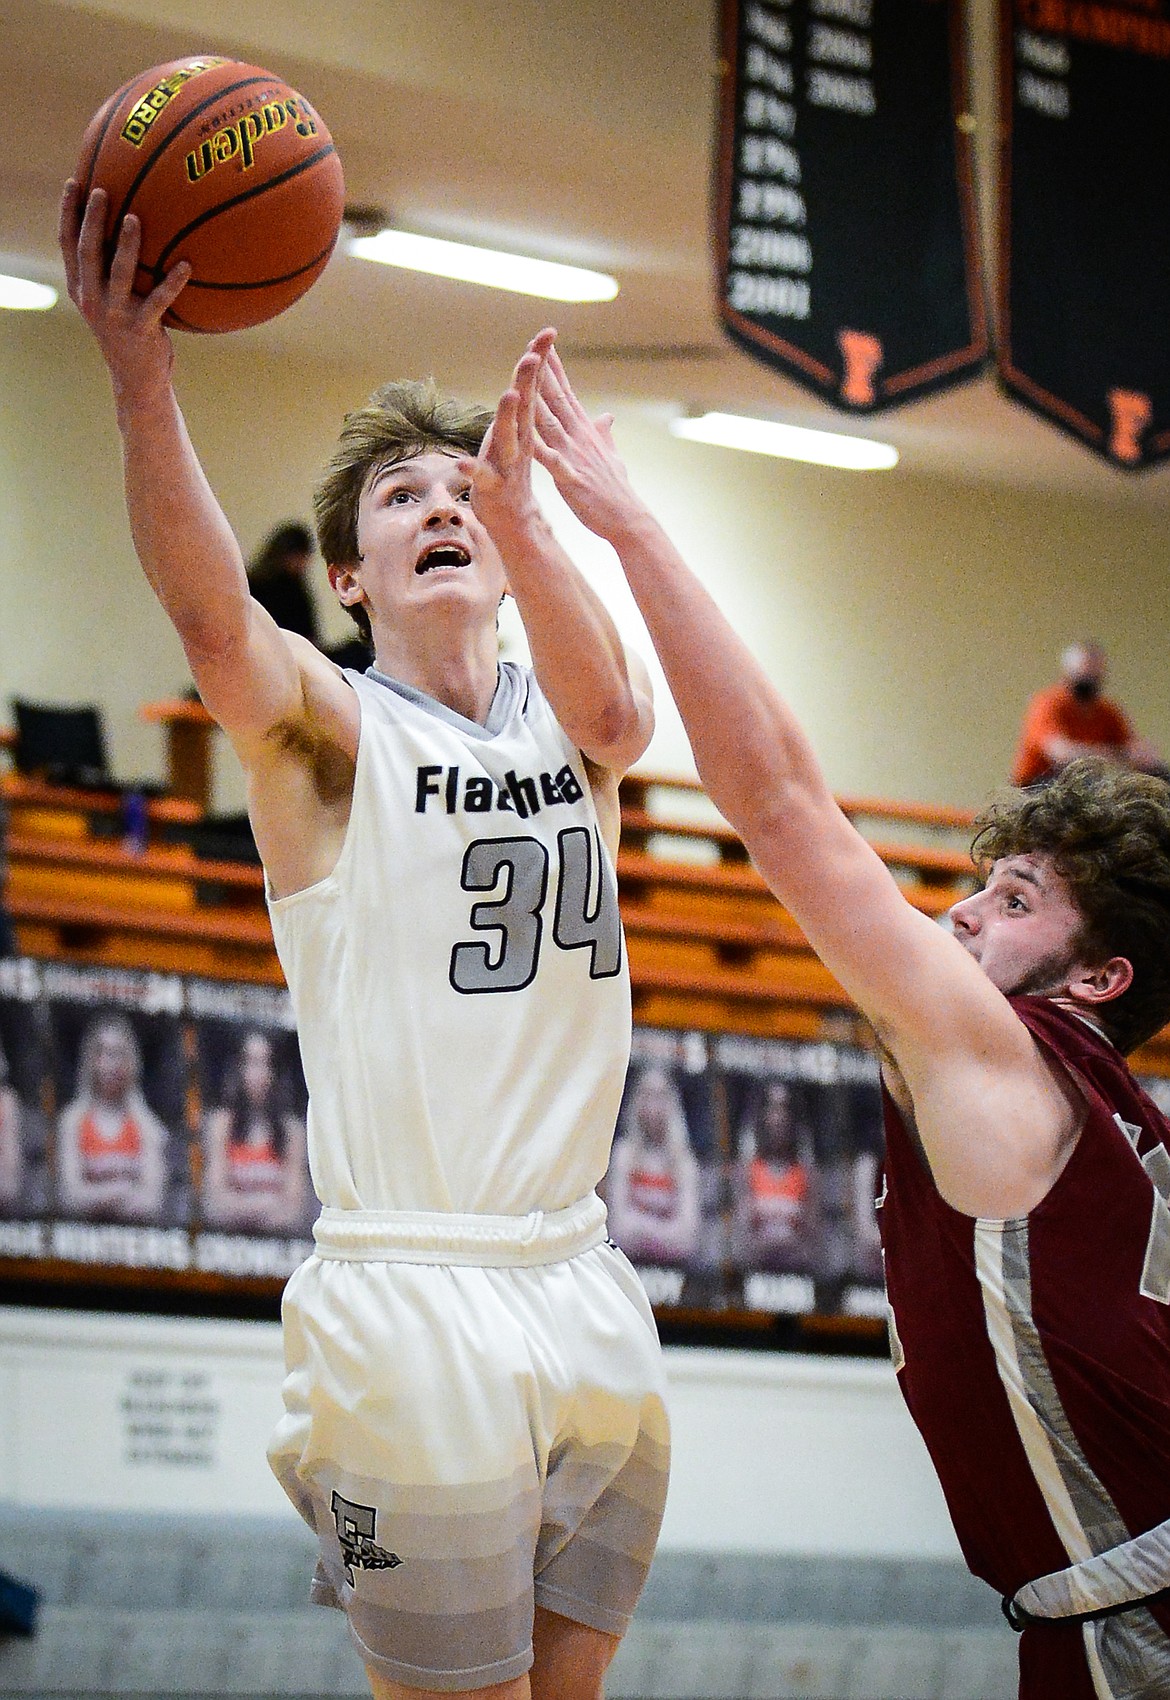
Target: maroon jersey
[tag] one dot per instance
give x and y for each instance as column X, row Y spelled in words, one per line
column 1034, row 1355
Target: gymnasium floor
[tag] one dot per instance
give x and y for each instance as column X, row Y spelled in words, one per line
column 190, row 1606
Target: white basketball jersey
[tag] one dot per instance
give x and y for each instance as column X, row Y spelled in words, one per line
column 459, row 979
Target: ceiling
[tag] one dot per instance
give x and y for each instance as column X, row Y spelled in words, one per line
column 570, row 129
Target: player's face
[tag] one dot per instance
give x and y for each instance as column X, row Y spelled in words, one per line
column 421, row 545
column 1022, row 927
column 113, row 1065
column 256, row 1068
column 775, row 1132
column 654, row 1106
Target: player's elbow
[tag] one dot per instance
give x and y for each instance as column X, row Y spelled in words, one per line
column 619, row 731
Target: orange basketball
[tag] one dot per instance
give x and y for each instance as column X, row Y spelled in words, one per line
column 227, row 168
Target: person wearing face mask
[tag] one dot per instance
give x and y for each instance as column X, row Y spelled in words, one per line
column 1074, row 718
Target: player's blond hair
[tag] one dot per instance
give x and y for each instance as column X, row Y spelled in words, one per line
column 400, row 420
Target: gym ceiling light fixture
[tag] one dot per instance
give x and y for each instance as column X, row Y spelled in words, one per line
column 22, row 295
column 790, row 442
column 517, row 272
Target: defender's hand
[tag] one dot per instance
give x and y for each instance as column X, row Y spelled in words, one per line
column 501, row 476
column 579, row 452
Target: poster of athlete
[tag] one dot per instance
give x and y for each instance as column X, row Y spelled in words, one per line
column 805, row 1134
column 24, row 1177
column 1085, row 226
column 663, row 1185
column 254, row 1168
column 120, row 1144
column 845, row 223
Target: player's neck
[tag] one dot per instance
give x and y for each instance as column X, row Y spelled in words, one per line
column 460, row 670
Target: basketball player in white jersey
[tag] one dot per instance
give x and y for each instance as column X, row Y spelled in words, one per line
column 474, row 1418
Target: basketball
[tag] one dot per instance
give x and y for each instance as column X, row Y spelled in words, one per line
column 227, row 168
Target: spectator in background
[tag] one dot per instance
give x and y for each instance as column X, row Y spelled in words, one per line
column 111, row 1147
column 776, row 1206
column 1073, row 718
column 652, row 1189
column 255, row 1168
column 278, row 579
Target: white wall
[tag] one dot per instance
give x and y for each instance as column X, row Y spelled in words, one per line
column 907, row 618
column 771, row 1453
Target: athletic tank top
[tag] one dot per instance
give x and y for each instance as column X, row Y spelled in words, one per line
column 109, row 1153
column 459, row 979
column 1034, row 1353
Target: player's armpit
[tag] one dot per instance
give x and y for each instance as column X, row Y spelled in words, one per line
column 603, row 783
column 300, row 771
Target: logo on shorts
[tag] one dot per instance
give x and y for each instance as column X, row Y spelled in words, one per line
column 355, row 1531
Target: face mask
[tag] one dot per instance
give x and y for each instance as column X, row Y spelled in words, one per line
column 1085, row 690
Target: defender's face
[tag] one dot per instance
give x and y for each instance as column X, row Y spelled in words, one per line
column 420, row 543
column 1022, row 927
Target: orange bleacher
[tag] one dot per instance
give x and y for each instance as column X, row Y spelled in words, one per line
column 709, row 946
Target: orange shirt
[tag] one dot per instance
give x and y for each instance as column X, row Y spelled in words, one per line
column 1057, row 713
column 654, row 1191
column 109, row 1156
column 772, row 1181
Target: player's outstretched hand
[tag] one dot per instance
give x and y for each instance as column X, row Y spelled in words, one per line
column 128, row 327
column 579, row 452
column 501, row 475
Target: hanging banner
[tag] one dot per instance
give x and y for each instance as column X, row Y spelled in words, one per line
column 1085, row 234
column 846, row 228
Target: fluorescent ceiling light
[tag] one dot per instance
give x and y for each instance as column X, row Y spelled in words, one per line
column 791, row 442
column 25, row 296
column 484, row 265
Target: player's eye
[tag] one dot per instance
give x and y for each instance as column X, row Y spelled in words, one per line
column 464, row 495
column 398, row 498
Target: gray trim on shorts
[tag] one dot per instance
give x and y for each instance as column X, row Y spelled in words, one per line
column 464, row 1585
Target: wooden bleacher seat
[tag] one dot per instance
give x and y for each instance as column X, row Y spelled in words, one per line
column 709, row 946
column 64, row 811
column 77, row 894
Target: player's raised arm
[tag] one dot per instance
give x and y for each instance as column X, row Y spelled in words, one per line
column 599, row 692
column 245, row 669
column 938, row 1016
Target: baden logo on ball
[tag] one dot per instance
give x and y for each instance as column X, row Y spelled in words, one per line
column 228, row 168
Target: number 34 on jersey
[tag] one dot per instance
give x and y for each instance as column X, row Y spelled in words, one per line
column 584, row 915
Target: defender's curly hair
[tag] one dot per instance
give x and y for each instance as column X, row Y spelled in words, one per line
column 1107, row 830
column 399, row 421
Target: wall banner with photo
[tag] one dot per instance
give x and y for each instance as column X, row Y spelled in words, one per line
column 150, row 1122
column 154, row 1123
column 744, row 1172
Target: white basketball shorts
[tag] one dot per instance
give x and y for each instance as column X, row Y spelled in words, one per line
column 474, row 1423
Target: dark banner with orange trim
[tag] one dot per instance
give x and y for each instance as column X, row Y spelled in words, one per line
column 1085, row 220
column 847, row 237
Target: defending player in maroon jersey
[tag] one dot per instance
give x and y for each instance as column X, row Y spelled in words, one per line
column 1026, row 1222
